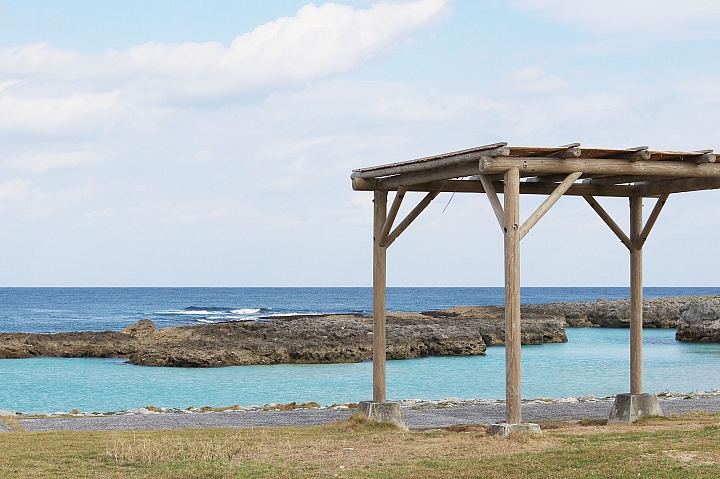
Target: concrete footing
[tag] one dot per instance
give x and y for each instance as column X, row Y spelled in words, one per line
column 504, row 429
column 388, row 412
column 628, row 408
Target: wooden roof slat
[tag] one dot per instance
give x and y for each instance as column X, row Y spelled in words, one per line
column 446, row 159
column 607, row 172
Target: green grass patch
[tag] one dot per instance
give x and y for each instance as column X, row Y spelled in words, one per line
column 673, row 447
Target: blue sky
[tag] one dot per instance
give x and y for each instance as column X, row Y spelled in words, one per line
column 192, row 143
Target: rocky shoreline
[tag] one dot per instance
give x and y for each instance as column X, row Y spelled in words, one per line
column 459, row 331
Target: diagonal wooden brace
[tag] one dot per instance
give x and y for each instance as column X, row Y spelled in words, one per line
column 397, row 201
column 389, row 239
column 642, row 237
column 548, row 203
column 609, row 221
column 493, row 198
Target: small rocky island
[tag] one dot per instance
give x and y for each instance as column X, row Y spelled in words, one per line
column 460, row 331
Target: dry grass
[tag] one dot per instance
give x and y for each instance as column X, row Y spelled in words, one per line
column 291, row 406
column 674, row 447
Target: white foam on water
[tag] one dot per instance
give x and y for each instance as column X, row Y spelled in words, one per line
column 245, row 311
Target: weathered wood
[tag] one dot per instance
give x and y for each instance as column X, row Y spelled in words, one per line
column 651, row 221
column 548, row 203
column 379, row 298
column 549, row 178
column 513, row 395
column 637, row 154
column 388, row 240
column 444, row 173
column 621, row 179
column 493, row 198
column 392, row 214
column 705, row 158
column 661, row 187
column 431, row 162
column 526, row 188
column 636, row 280
column 571, row 152
column 609, row 221
column 549, row 166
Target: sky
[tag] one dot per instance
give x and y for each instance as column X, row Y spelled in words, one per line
column 194, row 143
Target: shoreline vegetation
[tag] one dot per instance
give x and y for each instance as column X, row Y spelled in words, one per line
column 324, row 339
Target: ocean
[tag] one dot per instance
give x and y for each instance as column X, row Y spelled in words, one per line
column 594, row 361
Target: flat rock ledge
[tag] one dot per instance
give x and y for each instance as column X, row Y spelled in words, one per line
column 459, row 331
column 311, row 339
column 700, row 321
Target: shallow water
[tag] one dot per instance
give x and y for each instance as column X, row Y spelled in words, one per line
column 594, row 361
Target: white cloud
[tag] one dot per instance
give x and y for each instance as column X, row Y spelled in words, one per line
column 44, row 161
column 654, row 18
column 534, row 79
column 15, row 189
column 53, row 114
column 318, row 41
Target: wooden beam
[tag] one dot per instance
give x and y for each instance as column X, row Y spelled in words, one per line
column 379, row 298
column 636, row 281
column 432, row 162
column 661, row 187
column 513, row 395
column 651, row 221
column 549, row 178
column 609, row 221
column 526, row 188
column 493, row 198
column 571, row 152
column 444, row 173
column 705, row 158
column 397, row 201
column 549, row 166
column 619, row 179
column 390, row 239
column 548, row 203
column 640, row 153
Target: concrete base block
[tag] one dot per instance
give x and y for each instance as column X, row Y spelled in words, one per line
column 628, row 408
column 388, row 412
column 504, row 429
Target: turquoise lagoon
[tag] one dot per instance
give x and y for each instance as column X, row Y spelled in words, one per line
column 594, row 361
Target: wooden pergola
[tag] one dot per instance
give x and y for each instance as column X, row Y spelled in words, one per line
column 633, row 173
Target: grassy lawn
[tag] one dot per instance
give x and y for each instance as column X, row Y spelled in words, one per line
column 673, row 447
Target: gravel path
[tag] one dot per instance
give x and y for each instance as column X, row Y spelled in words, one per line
column 418, row 417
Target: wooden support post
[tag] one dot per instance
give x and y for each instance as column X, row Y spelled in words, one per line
column 379, row 286
column 636, row 280
column 513, row 396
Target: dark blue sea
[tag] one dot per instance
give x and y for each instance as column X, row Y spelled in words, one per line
column 594, row 360
column 50, row 310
